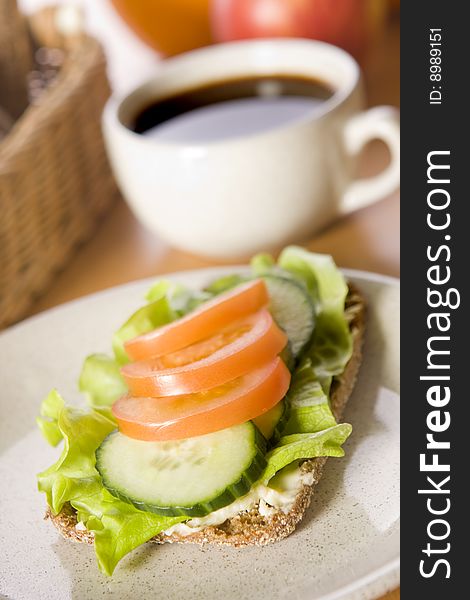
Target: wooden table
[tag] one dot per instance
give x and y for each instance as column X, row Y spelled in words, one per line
column 121, row 250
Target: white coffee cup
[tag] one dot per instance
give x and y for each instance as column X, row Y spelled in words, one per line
column 236, row 196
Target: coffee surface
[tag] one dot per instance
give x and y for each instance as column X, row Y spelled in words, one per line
column 231, row 108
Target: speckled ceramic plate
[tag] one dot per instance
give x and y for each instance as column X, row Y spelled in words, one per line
column 347, row 547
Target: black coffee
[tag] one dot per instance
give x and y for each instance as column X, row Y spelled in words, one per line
column 231, row 108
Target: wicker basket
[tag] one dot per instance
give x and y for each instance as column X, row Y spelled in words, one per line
column 16, row 59
column 55, row 181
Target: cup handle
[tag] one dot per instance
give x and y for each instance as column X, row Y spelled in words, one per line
column 381, row 123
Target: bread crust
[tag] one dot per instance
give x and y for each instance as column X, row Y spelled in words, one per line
column 250, row 527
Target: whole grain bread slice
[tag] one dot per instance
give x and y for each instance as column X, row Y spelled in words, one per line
column 250, row 527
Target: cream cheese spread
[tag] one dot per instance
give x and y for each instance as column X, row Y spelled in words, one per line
column 279, row 495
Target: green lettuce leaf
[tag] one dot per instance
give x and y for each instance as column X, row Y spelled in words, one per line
column 225, row 283
column 163, row 288
column 47, row 422
column 101, row 381
column 306, row 445
column 262, row 264
column 74, row 474
column 167, row 301
column 309, row 408
column 100, row 378
column 145, row 319
column 331, row 344
column 118, row 526
column 181, row 299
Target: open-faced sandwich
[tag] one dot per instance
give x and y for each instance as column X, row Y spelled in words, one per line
column 214, row 418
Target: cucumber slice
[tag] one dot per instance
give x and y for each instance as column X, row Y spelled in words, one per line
column 292, row 309
column 272, row 422
column 192, row 477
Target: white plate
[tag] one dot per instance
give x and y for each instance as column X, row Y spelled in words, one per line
column 347, row 547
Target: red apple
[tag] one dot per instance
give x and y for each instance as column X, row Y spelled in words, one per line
column 345, row 23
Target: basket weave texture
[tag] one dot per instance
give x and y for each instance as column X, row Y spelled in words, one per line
column 16, row 58
column 55, row 181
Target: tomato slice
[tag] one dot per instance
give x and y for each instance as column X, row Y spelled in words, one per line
column 205, row 321
column 247, row 344
column 179, row 417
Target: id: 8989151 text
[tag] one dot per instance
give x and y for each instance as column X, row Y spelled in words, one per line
column 435, row 66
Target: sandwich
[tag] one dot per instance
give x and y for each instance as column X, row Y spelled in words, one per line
column 212, row 420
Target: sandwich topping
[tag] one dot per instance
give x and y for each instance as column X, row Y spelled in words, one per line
column 207, row 407
column 279, row 495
